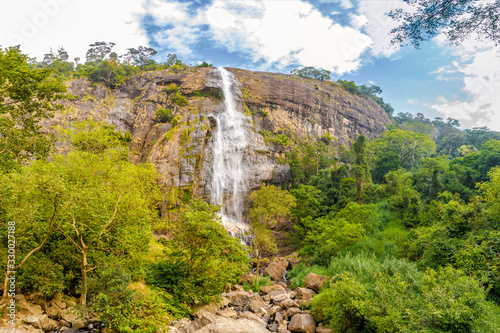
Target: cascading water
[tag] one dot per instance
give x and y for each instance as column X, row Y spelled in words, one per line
column 229, row 183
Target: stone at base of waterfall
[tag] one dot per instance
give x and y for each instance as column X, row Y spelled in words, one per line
column 315, row 281
column 304, row 294
column 42, row 322
column 273, row 287
column 237, row 298
column 302, row 323
column 256, row 303
column 210, row 323
column 277, row 268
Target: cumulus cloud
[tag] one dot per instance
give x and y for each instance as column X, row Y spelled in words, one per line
column 276, row 33
column 479, row 67
column 379, row 24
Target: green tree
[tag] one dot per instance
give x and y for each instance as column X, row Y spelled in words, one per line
column 28, row 96
column 431, row 176
column 312, row 73
column 269, row 204
column 411, row 147
column 202, row 253
column 361, row 169
column 457, row 19
column 385, row 162
column 32, row 198
column 107, row 210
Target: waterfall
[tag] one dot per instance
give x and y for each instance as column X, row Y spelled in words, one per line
column 229, row 183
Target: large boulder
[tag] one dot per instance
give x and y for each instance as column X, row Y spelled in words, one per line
column 302, row 323
column 273, row 287
column 237, row 298
column 256, row 303
column 247, row 278
column 277, row 268
column 198, row 309
column 42, row 322
column 315, row 281
column 249, row 315
column 210, row 323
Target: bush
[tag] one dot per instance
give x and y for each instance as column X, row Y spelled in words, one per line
column 366, row 295
column 178, row 99
column 147, row 310
column 164, row 115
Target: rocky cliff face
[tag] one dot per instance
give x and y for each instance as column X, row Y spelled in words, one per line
column 181, row 149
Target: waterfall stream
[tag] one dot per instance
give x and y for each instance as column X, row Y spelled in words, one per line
column 229, row 182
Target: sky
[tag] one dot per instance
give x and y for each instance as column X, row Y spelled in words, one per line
column 350, row 38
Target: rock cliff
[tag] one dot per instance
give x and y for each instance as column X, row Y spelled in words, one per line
column 180, row 145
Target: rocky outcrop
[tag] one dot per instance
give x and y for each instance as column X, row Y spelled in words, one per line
column 180, row 147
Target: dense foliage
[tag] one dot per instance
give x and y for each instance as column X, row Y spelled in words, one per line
column 407, row 227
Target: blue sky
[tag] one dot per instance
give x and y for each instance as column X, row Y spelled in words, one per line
column 348, row 37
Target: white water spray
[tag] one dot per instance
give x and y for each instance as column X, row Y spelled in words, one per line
column 229, row 182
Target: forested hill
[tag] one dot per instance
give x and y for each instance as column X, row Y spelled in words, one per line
column 402, row 221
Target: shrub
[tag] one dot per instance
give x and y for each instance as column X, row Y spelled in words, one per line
column 164, row 115
column 178, row 99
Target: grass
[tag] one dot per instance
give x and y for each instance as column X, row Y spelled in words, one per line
column 260, row 281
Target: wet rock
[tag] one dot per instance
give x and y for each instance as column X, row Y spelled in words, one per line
column 302, row 323
column 277, row 268
column 315, row 281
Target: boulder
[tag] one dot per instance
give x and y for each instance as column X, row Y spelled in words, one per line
column 42, row 322
column 321, row 329
column 30, row 308
column 198, row 309
column 274, row 310
column 293, row 259
column 315, row 281
column 292, row 312
column 278, row 296
column 289, row 303
column 282, row 284
column 230, row 325
column 228, row 313
column 302, row 323
column 304, row 294
column 70, row 316
column 237, row 298
column 273, row 287
column 183, row 323
column 247, row 278
column 58, row 301
column 253, row 317
column 277, row 268
column 256, row 303
column 53, row 312
column 224, row 301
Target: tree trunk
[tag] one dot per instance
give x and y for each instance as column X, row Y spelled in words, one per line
column 83, row 297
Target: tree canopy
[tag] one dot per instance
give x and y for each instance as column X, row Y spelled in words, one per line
column 457, row 19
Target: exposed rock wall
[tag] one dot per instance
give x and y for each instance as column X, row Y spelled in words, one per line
column 181, row 149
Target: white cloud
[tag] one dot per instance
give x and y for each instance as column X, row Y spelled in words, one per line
column 412, row 101
column 479, row 66
column 379, row 24
column 283, row 33
column 38, row 25
column 358, row 21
